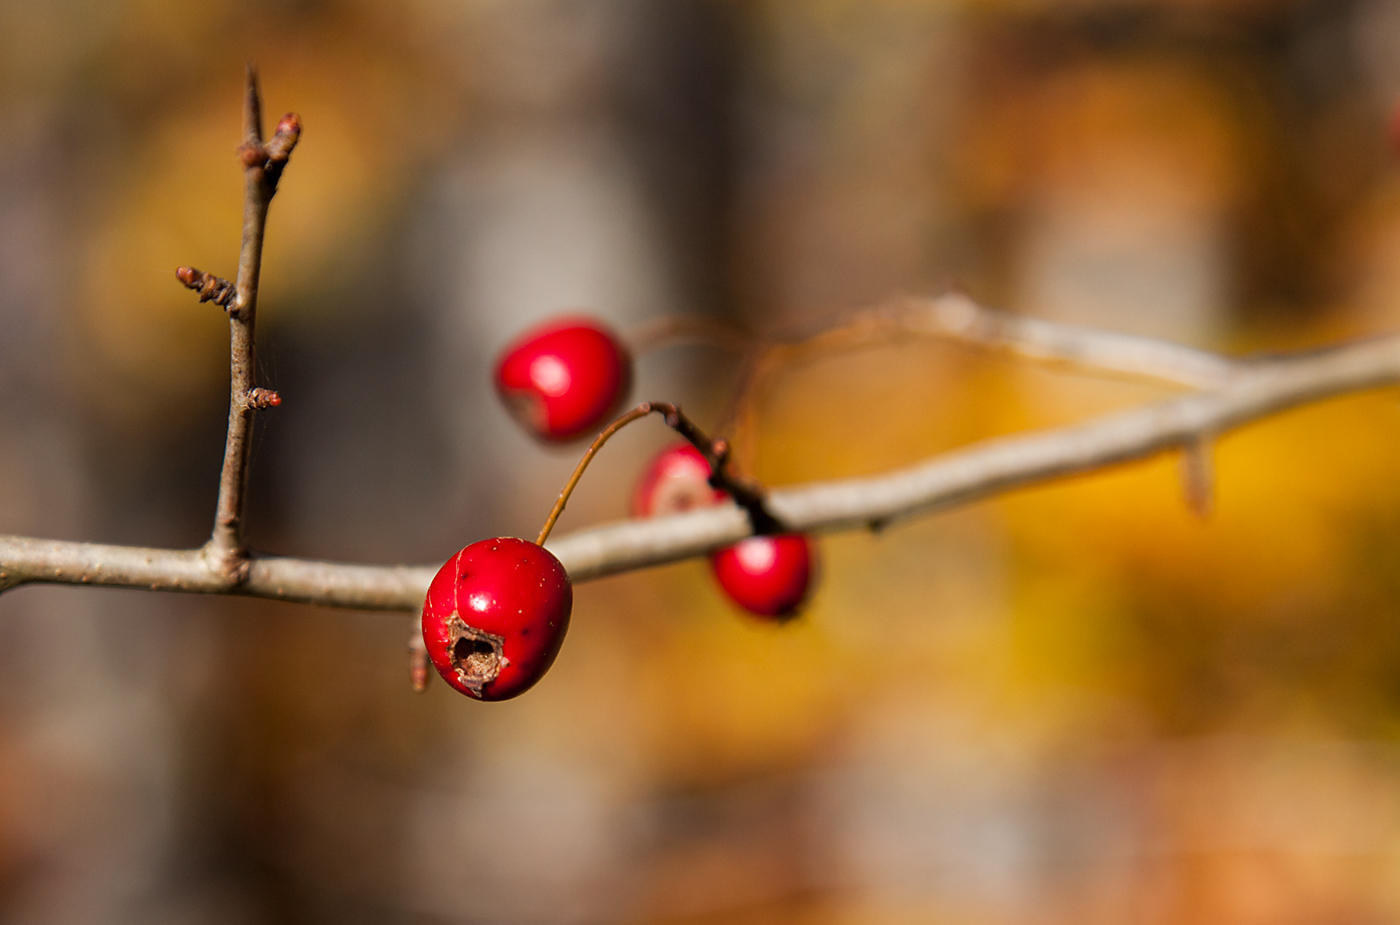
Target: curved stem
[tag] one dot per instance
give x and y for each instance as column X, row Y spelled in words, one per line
column 679, row 329
column 746, row 494
column 640, row 411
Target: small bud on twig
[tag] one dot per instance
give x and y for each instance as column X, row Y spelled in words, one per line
column 279, row 146
column 418, row 673
column 261, row 398
column 211, row 288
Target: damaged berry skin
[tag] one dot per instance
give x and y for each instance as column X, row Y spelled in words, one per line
column 769, row 576
column 565, row 378
column 677, row 479
column 495, row 617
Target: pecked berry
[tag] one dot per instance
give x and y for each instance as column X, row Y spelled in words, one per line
column 565, row 378
column 495, row 616
column 769, row 576
column 677, row 479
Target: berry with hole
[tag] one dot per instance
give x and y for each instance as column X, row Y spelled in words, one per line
column 495, row 616
column 769, row 576
column 677, row 479
column 564, row 378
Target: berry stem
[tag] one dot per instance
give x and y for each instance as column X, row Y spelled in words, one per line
column 668, row 330
column 640, row 411
column 746, row 493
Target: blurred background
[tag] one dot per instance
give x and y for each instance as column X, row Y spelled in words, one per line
column 1079, row 703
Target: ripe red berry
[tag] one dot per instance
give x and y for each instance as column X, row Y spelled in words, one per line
column 495, row 616
column 564, row 378
column 677, row 479
column 766, row 575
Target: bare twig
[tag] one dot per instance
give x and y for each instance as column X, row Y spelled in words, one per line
column 262, row 167
column 1252, row 390
column 957, row 317
column 686, row 329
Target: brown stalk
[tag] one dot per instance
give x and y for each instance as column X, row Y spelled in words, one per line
column 262, row 162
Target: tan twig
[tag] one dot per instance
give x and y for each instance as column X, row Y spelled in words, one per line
column 686, row 329
column 262, row 167
column 957, row 317
column 1253, row 390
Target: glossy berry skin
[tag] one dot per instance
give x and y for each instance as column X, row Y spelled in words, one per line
column 768, row 576
column 495, row 616
column 565, row 378
column 677, row 479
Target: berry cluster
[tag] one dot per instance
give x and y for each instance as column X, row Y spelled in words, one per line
column 496, row 612
column 769, row 576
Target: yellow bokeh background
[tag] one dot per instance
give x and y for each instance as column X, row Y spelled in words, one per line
column 1082, row 701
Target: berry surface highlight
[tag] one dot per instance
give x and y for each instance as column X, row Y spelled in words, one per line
column 565, row 378
column 495, row 616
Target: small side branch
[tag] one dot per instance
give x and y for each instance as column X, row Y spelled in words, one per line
column 958, row 318
column 263, row 163
column 211, row 288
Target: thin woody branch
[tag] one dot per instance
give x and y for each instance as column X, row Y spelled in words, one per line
column 957, row 317
column 1252, row 390
column 263, row 163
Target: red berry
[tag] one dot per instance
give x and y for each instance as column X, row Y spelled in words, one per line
column 495, row 616
column 766, row 575
column 564, row 378
column 677, row 479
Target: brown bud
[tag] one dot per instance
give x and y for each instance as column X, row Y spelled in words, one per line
column 290, row 124
column 261, row 398
column 188, row 276
column 252, row 155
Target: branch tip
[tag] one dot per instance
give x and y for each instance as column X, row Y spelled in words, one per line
column 211, row 288
column 261, row 398
column 252, row 104
column 280, row 146
column 418, row 673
